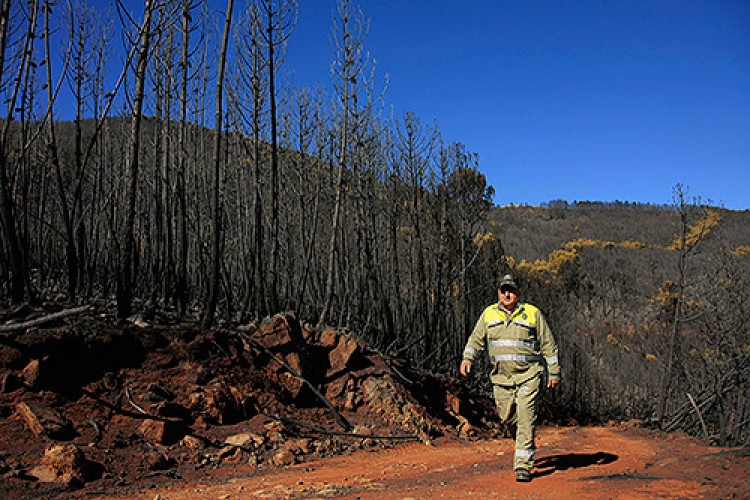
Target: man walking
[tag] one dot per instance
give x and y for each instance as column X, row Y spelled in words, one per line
column 520, row 344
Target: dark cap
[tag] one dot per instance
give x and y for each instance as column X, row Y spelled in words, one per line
column 508, row 282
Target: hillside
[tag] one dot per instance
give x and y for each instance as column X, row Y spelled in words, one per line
column 533, row 233
column 615, row 249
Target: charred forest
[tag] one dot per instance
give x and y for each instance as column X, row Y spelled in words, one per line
column 203, row 187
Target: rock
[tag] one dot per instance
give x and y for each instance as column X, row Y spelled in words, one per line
column 62, row 464
column 244, row 440
column 32, row 374
column 218, row 403
column 43, row 420
column 193, row 442
column 454, row 403
column 43, row 474
column 465, row 429
column 282, row 336
column 278, row 332
column 291, row 384
column 230, row 453
column 274, row 426
column 283, row 457
column 362, row 430
column 166, row 432
column 353, row 395
column 335, row 390
column 158, row 460
column 299, row 446
column 275, row 437
column 329, row 338
column 341, row 357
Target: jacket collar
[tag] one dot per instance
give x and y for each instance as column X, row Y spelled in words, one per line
column 518, row 310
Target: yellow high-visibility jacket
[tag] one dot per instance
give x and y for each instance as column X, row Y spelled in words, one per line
column 519, row 345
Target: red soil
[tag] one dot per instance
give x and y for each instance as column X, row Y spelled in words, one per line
column 618, row 461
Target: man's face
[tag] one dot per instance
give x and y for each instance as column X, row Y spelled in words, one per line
column 508, row 297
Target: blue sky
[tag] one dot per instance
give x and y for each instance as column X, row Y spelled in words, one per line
column 574, row 100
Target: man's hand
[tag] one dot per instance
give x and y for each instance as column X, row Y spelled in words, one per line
column 553, row 383
column 465, row 368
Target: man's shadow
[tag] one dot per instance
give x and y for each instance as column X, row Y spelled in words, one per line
column 548, row 465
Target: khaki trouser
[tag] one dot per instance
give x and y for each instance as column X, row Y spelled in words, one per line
column 517, row 404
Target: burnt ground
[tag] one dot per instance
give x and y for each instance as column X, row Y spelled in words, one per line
column 90, row 407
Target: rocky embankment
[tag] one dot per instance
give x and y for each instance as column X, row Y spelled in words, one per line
column 95, row 405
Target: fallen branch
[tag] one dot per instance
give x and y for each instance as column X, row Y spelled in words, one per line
column 707, row 398
column 319, row 430
column 116, row 409
column 133, row 403
column 45, row 319
column 97, row 428
column 700, row 416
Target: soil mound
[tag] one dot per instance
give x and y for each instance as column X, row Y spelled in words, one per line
column 98, row 406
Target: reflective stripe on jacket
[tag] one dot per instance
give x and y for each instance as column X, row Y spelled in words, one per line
column 519, row 344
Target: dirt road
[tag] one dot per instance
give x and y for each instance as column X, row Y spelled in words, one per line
column 580, row 462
